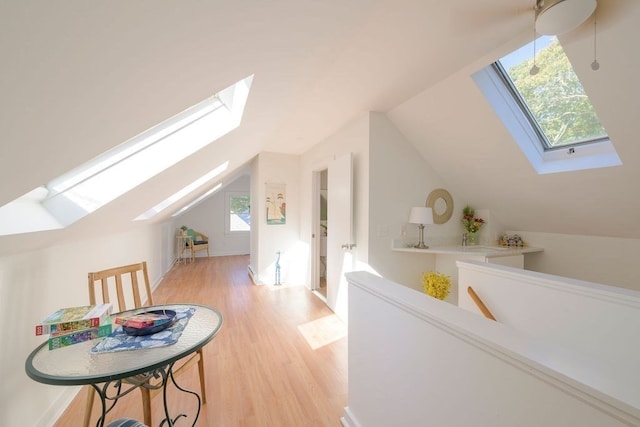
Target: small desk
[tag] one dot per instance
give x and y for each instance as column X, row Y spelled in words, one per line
column 74, row 365
column 182, row 243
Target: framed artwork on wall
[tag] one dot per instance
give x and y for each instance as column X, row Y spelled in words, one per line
column 276, row 204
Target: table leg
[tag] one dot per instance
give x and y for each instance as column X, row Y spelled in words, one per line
column 104, row 396
column 168, row 420
column 142, row 380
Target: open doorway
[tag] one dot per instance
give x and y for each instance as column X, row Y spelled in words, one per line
column 321, row 231
column 332, row 225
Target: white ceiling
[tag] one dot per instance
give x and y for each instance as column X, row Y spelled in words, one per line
column 80, row 77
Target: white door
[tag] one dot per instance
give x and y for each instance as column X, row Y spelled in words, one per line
column 340, row 244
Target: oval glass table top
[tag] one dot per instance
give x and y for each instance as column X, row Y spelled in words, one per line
column 75, row 365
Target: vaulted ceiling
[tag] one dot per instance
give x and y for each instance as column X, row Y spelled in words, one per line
column 81, row 77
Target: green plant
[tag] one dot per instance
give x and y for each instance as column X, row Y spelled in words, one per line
column 470, row 223
column 436, row 284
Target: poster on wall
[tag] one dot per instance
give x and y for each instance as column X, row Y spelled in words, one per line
column 276, row 204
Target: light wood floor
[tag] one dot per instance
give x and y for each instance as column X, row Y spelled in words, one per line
column 280, row 358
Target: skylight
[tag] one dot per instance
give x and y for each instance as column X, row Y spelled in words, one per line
column 81, row 191
column 547, row 112
column 180, row 194
column 196, row 201
column 556, row 103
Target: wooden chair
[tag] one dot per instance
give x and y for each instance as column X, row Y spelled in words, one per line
column 197, row 242
column 126, row 281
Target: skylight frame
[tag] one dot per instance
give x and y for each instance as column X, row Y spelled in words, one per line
column 183, row 192
column 196, row 201
column 72, row 196
column 544, row 140
column 134, row 146
column 520, row 100
column 593, row 155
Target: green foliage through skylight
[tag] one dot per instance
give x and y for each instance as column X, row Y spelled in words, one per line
column 554, row 96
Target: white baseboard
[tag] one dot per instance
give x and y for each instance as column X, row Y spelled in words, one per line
column 254, row 277
column 349, row 420
column 228, row 253
column 51, row 415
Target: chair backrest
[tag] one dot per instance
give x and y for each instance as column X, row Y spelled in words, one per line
column 125, row 283
column 202, row 238
column 197, row 236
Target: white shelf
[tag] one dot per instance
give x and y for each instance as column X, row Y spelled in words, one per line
column 475, row 250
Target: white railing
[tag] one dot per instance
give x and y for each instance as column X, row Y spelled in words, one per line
column 414, row 360
column 598, row 322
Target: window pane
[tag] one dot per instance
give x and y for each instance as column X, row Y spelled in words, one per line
column 239, row 215
column 554, row 97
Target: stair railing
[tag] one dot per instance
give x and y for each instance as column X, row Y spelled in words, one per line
column 483, row 308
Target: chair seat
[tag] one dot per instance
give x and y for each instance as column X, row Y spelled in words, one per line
column 200, row 243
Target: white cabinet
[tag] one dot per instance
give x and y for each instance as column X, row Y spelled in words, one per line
column 446, row 257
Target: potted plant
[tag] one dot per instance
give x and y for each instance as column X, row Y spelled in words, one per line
column 471, row 225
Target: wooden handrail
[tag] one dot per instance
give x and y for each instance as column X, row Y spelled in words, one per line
column 483, row 308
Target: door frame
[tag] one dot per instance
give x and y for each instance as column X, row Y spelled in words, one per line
column 315, row 229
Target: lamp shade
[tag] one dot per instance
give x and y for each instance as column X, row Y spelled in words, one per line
column 421, row 215
column 560, row 16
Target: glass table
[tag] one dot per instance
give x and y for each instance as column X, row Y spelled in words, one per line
column 105, row 372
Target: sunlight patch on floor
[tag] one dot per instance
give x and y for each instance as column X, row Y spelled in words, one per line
column 323, row 331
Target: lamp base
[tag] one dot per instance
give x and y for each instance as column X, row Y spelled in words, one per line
column 421, row 244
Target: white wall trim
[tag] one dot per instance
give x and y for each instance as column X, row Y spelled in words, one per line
column 53, row 412
column 612, row 294
column 348, row 419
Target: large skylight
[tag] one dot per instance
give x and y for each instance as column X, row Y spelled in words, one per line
column 547, row 112
column 81, row 191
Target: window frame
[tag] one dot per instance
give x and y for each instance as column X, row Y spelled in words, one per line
column 567, row 158
column 535, row 125
column 227, row 212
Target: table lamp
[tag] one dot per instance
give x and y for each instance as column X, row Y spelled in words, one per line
column 421, row 216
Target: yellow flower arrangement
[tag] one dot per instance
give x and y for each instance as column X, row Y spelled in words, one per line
column 436, row 284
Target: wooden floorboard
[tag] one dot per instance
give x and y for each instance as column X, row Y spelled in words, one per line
column 280, row 358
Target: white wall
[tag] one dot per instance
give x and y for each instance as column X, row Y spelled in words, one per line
column 35, row 284
column 608, row 260
column 390, row 177
column 399, row 179
column 208, row 217
column 415, row 361
column 352, row 138
column 599, row 322
column 267, row 240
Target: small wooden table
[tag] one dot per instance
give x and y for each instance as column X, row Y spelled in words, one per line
column 182, row 246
